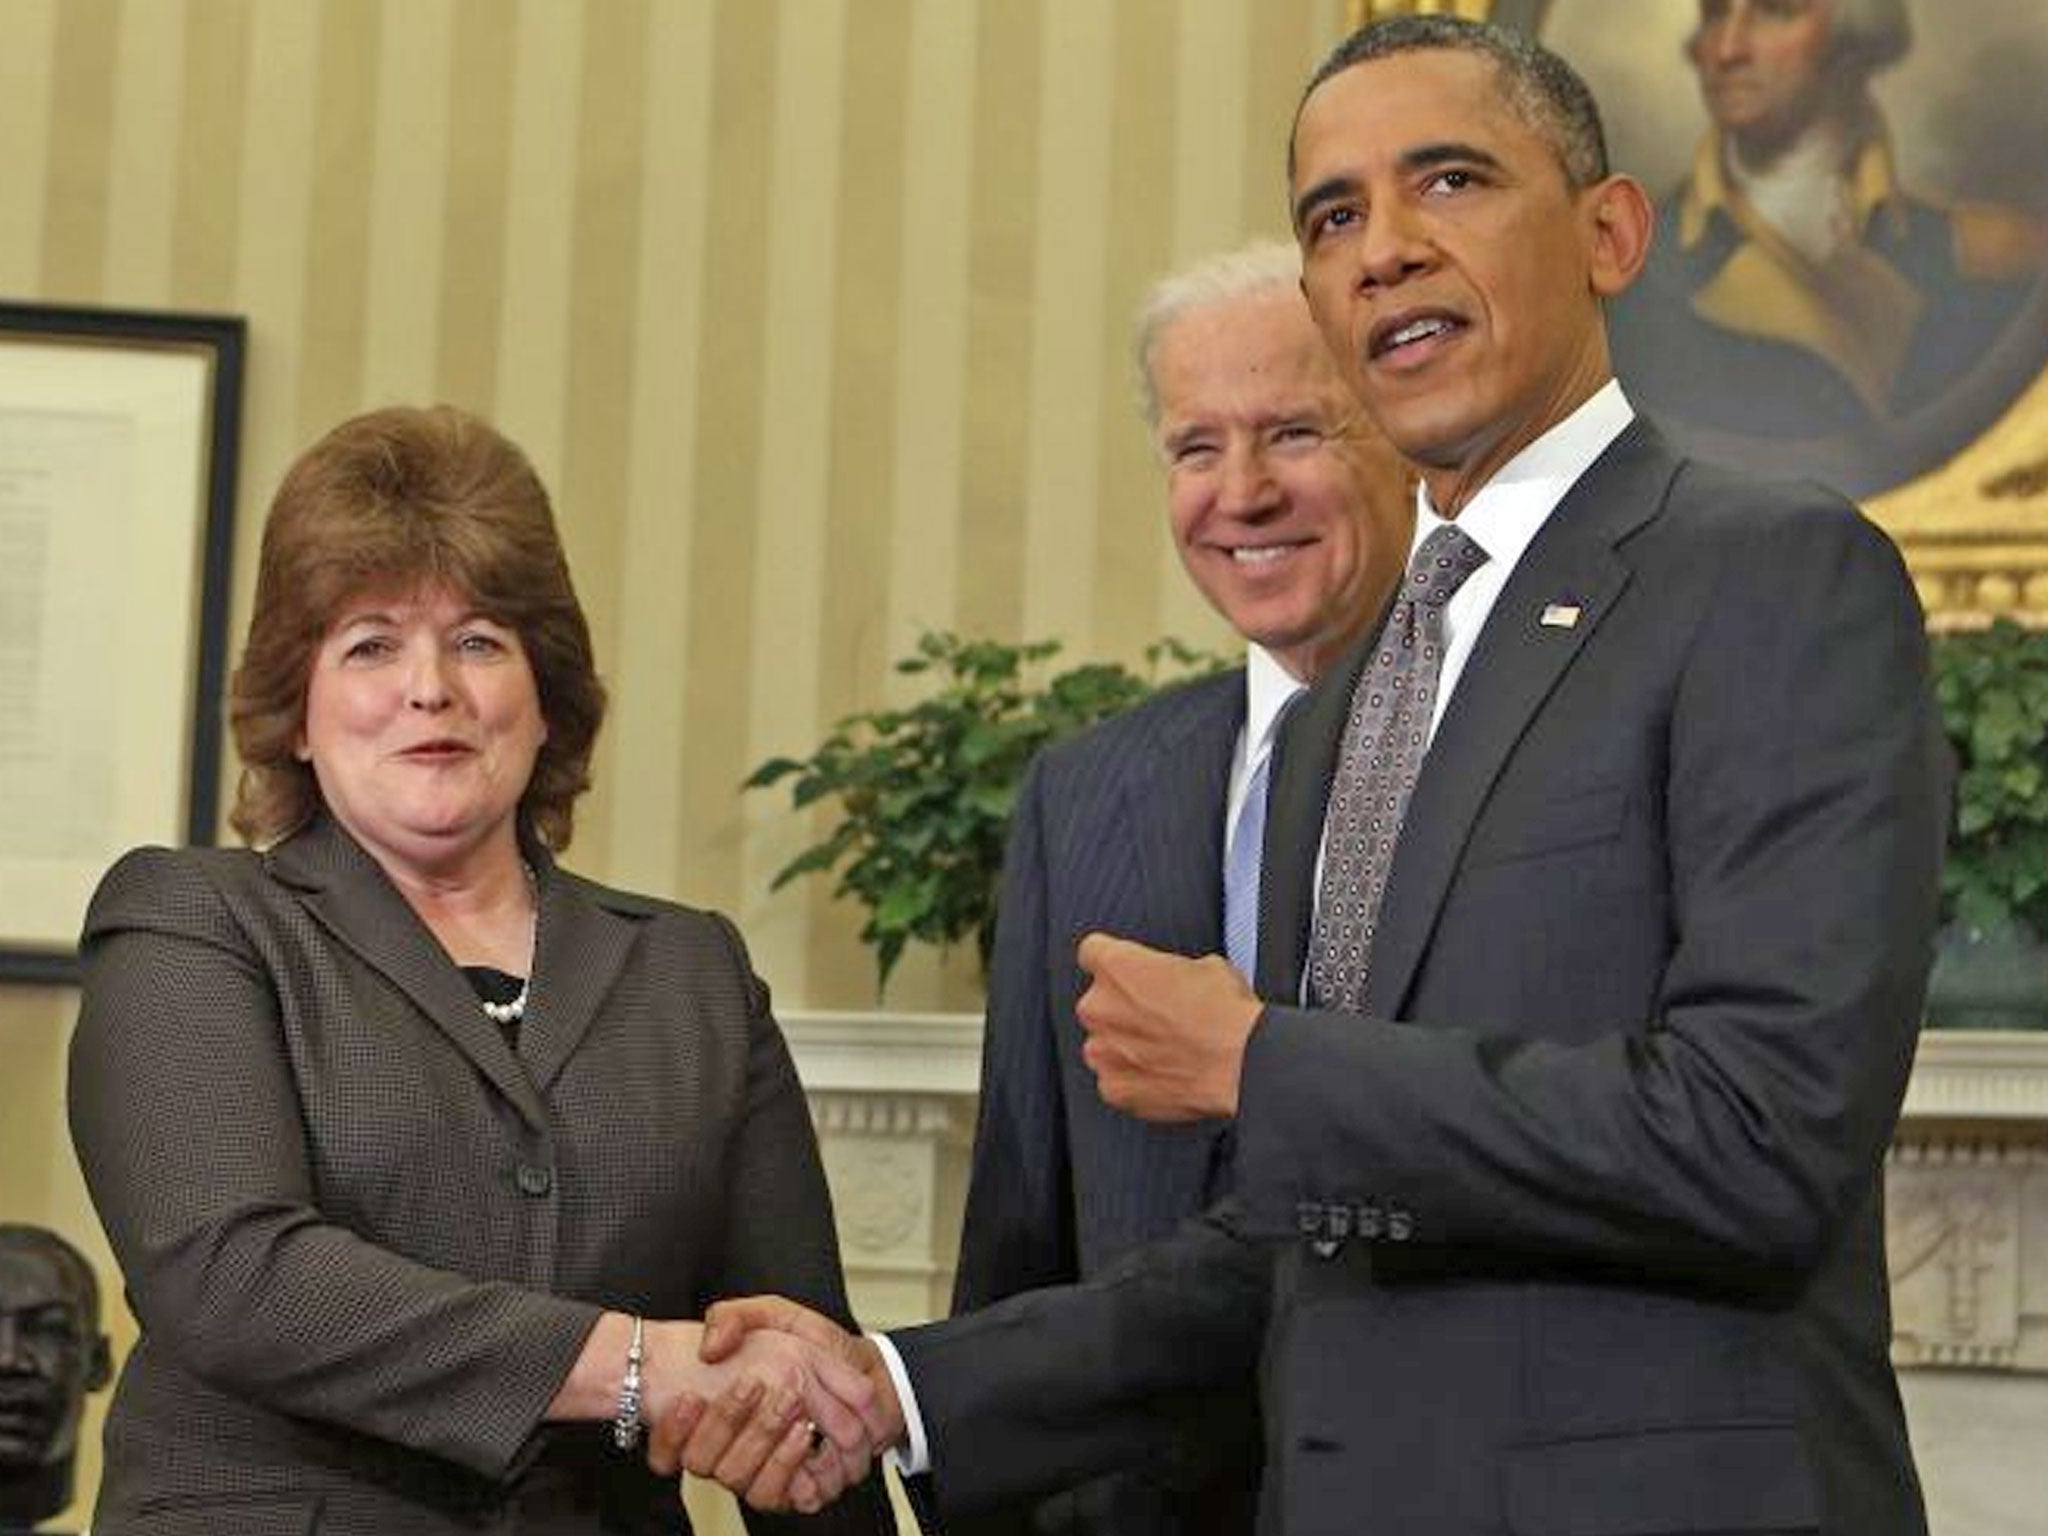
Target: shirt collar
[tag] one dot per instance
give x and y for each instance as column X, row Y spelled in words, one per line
column 1872, row 177
column 1268, row 687
column 1505, row 515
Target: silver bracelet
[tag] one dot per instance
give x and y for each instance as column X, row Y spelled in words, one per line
column 626, row 1423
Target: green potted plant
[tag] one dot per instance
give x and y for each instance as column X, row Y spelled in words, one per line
column 925, row 792
column 1991, row 967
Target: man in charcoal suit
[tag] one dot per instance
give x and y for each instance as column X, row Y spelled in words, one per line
column 1292, row 517
column 1556, row 1202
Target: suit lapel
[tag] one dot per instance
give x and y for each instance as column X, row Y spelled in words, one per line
column 351, row 898
column 1512, row 669
column 1187, row 762
column 1305, row 758
column 582, row 947
column 1168, row 811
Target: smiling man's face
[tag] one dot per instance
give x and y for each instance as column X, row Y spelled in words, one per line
column 1454, row 271
column 1290, row 512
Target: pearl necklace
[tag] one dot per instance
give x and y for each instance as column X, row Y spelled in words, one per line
column 514, row 1011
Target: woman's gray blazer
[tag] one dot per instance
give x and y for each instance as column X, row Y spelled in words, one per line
column 365, row 1237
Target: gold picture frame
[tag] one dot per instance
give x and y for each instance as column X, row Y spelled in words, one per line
column 1974, row 529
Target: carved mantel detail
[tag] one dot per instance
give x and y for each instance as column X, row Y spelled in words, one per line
column 1958, row 1211
column 1966, row 1205
column 892, row 1097
column 884, row 1156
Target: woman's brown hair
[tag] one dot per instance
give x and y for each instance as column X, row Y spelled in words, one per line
column 400, row 498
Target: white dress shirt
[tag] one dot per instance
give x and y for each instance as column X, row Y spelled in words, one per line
column 1268, row 689
column 1507, row 513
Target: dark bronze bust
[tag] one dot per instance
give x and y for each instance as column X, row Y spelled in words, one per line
column 52, row 1354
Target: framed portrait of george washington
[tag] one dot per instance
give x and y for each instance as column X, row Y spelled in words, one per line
column 118, row 436
column 1849, row 280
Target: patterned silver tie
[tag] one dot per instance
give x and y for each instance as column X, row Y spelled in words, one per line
column 1385, row 738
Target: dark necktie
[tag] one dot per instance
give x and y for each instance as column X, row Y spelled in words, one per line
column 1385, row 737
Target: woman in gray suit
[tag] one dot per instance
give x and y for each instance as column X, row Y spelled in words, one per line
column 416, row 1149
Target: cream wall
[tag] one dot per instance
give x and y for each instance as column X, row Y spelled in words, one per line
column 811, row 313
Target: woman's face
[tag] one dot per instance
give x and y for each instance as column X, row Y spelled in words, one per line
column 422, row 725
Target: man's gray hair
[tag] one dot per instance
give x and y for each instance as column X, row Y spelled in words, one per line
column 1865, row 35
column 1873, row 34
column 1263, row 267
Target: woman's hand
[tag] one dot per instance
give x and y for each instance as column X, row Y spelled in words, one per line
column 741, row 1438
column 780, row 1418
column 782, row 1412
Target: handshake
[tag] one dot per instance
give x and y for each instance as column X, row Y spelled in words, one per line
column 787, row 1409
column 792, row 1408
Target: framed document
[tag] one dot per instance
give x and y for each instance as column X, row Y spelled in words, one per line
column 118, row 439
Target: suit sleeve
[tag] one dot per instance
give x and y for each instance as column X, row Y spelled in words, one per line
column 1018, row 1232
column 1731, row 1134
column 187, row 1122
column 1044, row 1390
column 779, row 1235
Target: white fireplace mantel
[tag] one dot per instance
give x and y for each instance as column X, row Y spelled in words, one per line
column 886, row 1052
column 1958, row 1075
column 1980, row 1075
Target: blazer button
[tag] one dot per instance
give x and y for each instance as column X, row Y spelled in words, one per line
column 533, row 1179
column 1308, row 1218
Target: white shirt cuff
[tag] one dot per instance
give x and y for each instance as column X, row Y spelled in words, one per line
column 917, row 1460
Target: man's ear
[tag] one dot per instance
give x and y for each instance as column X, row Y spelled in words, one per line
column 1620, row 219
column 99, row 1368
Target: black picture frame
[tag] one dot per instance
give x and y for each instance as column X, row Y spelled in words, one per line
column 151, row 378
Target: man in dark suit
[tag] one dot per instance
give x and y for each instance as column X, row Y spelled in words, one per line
column 1557, row 1200
column 1292, row 517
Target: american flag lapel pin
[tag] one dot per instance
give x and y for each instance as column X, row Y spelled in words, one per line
column 1559, row 616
